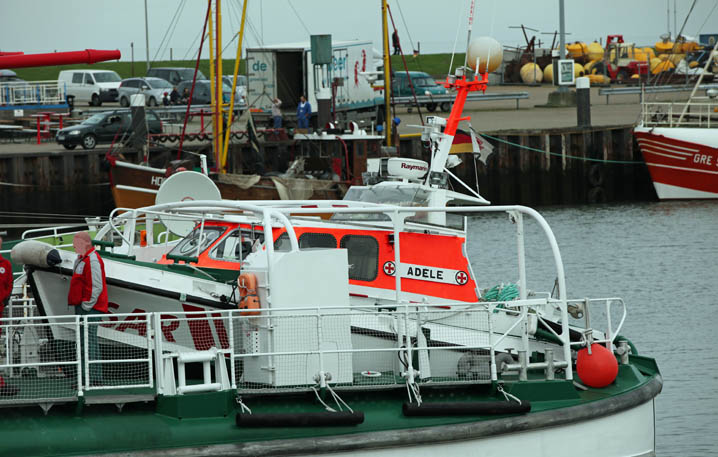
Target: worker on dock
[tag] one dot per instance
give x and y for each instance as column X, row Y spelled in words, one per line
column 304, row 111
column 88, row 294
column 277, row 113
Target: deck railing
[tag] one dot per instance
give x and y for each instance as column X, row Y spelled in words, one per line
column 667, row 114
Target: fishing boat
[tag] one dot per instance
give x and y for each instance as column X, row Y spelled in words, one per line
column 679, row 143
column 368, row 333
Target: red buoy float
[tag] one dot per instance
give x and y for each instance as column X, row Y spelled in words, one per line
column 597, row 369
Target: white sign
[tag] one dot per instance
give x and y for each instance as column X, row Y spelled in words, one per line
column 426, row 273
column 565, row 72
column 18, row 112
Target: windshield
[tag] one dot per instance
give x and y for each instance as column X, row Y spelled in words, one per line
column 399, row 195
column 107, row 77
column 188, row 246
column 94, row 119
column 189, row 74
column 423, row 82
column 159, row 84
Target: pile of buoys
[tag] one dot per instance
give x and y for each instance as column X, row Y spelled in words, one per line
column 531, row 73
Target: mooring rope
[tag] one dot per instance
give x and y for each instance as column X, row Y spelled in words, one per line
column 568, row 156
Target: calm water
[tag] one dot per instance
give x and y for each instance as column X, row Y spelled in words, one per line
column 662, row 259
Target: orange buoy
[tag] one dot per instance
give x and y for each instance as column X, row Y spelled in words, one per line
column 597, row 369
column 249, row 299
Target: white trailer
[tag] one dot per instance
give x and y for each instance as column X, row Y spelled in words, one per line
column 286, row 71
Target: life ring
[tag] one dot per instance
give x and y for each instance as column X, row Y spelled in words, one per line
column 248, row 298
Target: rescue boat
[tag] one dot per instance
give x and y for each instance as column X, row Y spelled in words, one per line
column 276, row 331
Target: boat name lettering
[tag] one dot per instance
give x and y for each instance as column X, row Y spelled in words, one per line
column 413, row 167
column 704, row 159
column 157, row 180
column 426, row 273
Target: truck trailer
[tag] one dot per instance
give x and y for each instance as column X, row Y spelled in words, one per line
column 285, row 71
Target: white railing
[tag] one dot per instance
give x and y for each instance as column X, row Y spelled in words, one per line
column 666, row 114
column 32, row 93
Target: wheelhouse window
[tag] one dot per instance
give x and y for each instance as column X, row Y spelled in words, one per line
column 363, row 254
column 306, row 241
column 234, row 247
column 188, row 246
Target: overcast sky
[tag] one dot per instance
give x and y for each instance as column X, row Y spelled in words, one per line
column 67, row 25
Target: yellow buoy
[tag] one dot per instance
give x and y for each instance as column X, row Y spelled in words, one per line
column 548, row 73
column 485, row 49
column 675, row 58
column 635, row 76
column 588, row 68
column 596, row 79
column 664, row 65
column 663, row 56
column 577, row 49
column 649, row 50
column 689, row 46
column 664, row 47
column 578, row 70
column 693, row 64
column 655, row 62
column 595, row 51
column 638, row 54
column 531, row 73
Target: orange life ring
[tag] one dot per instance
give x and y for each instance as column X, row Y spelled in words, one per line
column 248, row 298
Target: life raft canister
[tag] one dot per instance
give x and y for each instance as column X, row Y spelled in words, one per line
column 248, row 298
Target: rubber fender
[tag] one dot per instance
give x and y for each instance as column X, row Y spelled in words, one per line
column 321, row 419
column 469, row 408
column 35, row 253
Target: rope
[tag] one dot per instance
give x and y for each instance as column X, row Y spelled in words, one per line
column 298, row 17
column 507, row 395
column 568, row 156
column 327, row 407
column 401, row 13
column 338, row 399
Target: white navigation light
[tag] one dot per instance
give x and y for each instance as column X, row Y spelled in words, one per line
column 487, row 51
column 410, row 169
column 181, row 187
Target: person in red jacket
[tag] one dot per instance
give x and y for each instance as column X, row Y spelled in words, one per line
column 88, row 294
column 5, row 292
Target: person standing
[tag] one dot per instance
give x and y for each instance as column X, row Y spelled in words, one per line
column 395, row 43
column 5, row 292
column 277, row 113
column 88, row 294
column 304, row 111
column 5, row 281
column 175, row 96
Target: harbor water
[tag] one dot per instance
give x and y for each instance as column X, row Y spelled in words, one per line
column 662, row 259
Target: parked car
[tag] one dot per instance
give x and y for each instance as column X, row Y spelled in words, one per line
column 423, row 83
column 240, row 95
column 175, row 75
column 104, row 127
column 153, row 88
column 92, row 86
column 202, row 92
column 9, row 76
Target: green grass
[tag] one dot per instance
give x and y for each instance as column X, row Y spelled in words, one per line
column 436, row 65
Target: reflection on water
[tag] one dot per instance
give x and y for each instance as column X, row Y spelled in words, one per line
column 662, row 259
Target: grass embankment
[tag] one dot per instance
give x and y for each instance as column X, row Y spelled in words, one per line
column 436, row 65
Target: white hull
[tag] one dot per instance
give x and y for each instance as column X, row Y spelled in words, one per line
column 669, row 192
column 629, row 433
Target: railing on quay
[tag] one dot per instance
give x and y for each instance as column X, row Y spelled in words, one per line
column 32, row 93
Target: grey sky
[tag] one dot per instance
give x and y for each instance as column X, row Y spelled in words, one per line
column 49, row 25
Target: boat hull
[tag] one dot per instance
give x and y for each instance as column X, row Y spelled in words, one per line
column 683, row 162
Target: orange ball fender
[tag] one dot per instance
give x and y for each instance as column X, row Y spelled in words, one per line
column 597, row 369
column 248, row 298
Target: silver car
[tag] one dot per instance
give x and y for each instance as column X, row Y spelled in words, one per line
column 153, row 88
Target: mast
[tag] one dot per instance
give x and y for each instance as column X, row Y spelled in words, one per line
column 212, row 89
column 387, row 76
column 219, row 98
column 223, row 160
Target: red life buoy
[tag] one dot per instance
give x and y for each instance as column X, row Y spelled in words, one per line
column 248, row 298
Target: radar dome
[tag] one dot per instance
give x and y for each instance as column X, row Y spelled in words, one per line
column 486, row 50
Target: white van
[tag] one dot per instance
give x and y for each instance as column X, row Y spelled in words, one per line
column 92, row 86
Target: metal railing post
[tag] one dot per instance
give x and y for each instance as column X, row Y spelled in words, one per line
column 159, row 370
column 78, row 356
column 232, row 346
column 150, row 332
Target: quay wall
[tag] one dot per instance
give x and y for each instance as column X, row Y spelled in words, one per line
column 541, row 167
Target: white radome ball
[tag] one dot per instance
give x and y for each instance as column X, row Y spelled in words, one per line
column 486, row 49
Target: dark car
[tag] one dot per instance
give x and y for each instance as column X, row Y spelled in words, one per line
column 103, row 128
column 175, row 75
column 202, row 92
